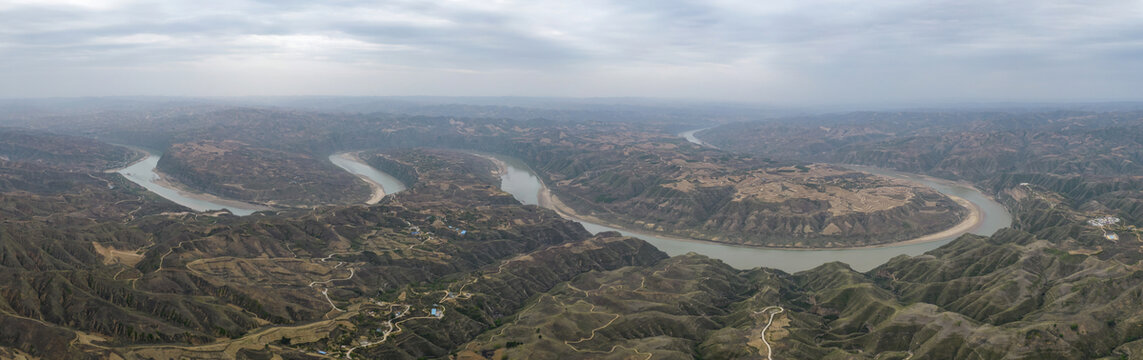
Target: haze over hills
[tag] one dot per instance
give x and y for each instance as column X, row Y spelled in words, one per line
column 491, row 180
column 454, row 267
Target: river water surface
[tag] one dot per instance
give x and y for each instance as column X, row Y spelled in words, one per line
column 353, row 165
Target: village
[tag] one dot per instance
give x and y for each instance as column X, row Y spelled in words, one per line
column 1105, row 222
column 380, row 320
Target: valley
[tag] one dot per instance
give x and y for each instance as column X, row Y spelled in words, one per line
column 616, row 180
column 505, row 256
column 524, row 184
column 660, row 184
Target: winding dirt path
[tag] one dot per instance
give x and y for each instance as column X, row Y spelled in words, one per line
column 596, row 331
column 769, row 350
column 395, row 327
column 325, row 290
column 593, row 331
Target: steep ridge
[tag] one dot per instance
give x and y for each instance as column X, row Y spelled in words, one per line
column 635, row 312
column 487, row 298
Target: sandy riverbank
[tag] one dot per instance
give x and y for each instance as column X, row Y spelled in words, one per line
column 971, row 221
column 378, row 191
column 154, row 177
column 187, row 192
column 548, row 200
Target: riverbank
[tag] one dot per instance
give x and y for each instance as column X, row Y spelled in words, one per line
column 549, row 200
column 378, row 190
column 973, row 220
column 381, row 183
column 143, row 156
column 144, row 173
column 164, row 180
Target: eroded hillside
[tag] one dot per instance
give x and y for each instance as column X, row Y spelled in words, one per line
column 96, row 267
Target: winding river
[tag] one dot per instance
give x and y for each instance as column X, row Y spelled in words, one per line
column 521, row 182
column 143, row 173
column 690, row 136
column 382, row 183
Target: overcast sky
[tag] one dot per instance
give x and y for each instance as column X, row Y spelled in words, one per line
column 768, row 51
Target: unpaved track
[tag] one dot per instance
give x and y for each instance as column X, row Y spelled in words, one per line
column 769, row 350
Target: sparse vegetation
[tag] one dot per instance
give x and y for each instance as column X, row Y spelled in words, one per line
column 97, row 267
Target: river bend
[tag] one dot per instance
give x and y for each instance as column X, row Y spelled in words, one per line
column 519, row 180
column 143, row 173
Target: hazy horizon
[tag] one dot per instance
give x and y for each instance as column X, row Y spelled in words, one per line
column 820, row 52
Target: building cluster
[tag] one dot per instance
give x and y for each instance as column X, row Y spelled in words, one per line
column 1103, row 221
column 458, row 230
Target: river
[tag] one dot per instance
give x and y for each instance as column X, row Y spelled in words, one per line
column 143, row 173
column 690, row 136
column 521, row 182
column 351, row 163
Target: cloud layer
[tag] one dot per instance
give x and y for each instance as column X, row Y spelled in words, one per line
column 759, row 51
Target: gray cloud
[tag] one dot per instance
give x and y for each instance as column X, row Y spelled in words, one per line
column 768, row 51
